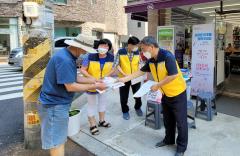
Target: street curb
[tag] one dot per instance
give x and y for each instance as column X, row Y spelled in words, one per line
column 88, row 142
column 94, row 146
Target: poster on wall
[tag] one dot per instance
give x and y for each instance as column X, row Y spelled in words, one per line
column 203, row 58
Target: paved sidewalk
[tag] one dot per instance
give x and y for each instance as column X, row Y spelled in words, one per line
column 221, row 137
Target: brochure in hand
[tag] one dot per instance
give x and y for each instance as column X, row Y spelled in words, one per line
column 111, row 84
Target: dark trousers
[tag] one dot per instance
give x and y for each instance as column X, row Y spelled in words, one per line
column 175, row 115
column 124, row 93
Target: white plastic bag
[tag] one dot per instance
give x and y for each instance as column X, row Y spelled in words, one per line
column 154, row 96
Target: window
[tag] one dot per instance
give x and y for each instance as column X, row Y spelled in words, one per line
column 98, row 34
column 63, row 32
column 4, row 22
column 93, row 2
column 60, row 1
column 139, row 24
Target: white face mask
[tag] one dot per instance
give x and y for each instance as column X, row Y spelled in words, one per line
column 135, row 49
column 102, row 50
column 147, row 54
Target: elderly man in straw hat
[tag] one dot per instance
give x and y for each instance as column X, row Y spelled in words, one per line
column 60, row 83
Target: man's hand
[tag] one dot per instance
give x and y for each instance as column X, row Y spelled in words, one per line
column 93, row 80
column 99, row 81
column 101, row 86
column 123, row 80
column 155, row 87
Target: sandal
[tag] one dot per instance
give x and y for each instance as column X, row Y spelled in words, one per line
column 94, row 130
column 104, row 124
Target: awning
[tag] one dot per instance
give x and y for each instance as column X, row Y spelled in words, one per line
column 161, row 4
column 180, row 13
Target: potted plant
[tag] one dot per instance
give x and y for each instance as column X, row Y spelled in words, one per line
column 74, row 122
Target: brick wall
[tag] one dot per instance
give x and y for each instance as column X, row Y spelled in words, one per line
column 80, row 10
column 10, row 9
column 105, row 15
column 115, row 16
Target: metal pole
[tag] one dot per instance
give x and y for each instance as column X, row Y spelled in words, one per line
column 215, row 56
column 37, row 41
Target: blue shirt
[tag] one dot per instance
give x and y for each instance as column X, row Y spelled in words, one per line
column 102, row 62
column 61, row 69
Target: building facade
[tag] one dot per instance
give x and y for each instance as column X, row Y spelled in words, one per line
column 138, row 28
column 99, row 18
column 10, row 25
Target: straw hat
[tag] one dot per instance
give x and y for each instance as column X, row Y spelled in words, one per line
column 84, row 42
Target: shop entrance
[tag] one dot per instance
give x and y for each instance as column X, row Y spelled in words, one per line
column 226, row 65
column 4, row 44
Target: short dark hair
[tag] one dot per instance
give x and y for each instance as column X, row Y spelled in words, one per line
column 133, row 40
column 109, row 43
column 150, row 40
column 105, row 41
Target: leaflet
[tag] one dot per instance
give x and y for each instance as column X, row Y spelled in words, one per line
column 111, row 83
column 145, row 88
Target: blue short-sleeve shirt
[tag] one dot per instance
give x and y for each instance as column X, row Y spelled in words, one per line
column 61, row 69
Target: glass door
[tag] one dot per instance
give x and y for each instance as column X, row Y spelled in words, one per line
column 4, row 44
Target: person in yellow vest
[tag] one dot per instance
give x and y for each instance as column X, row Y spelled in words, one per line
column 165, row 71
column 127, row 62
column 96, row 67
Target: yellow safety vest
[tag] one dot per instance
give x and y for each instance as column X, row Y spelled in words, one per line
column 173, row 88
column 94, row 67
column 126, row 65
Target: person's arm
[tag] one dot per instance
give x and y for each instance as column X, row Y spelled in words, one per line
column 85, row 80
column 121, row 71
column 67, row 76
column 132, row 76
column 77, row 87
column 139, row 73
column 111, row 72
column 83, row 70
column 116, row 64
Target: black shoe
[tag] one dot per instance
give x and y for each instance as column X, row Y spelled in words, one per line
column 161, row 144
column 179, row 154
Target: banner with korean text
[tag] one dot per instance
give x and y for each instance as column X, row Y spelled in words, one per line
column 203, row 58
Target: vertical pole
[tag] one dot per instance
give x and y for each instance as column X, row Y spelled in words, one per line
column 37, row 51
column 215, row 57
